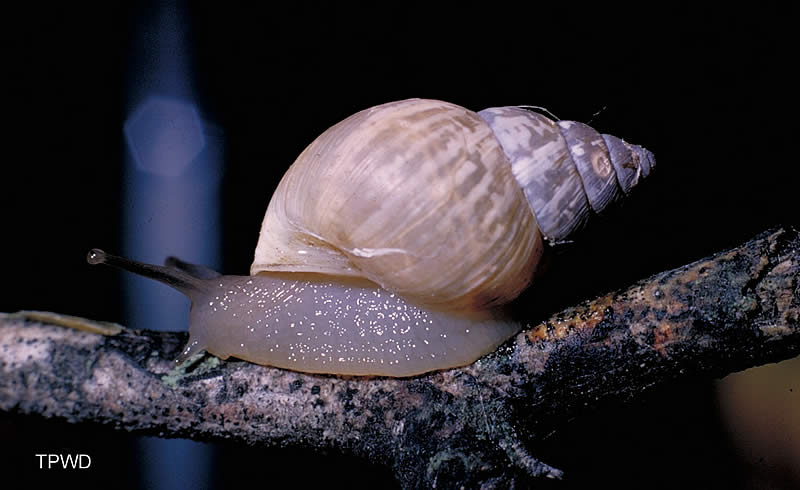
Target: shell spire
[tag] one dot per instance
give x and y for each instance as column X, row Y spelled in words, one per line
column 566, row 169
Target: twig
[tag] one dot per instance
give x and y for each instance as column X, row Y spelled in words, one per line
column 471, row 426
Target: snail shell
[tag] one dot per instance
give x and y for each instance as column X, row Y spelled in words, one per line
column 391, row 244
column 442, row 205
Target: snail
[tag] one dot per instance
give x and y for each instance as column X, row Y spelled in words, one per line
column 392, row 243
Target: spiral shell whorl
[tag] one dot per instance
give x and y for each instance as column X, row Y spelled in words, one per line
column 415, row 195
column 567, row 170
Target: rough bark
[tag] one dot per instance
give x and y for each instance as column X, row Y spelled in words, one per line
column 471, row 426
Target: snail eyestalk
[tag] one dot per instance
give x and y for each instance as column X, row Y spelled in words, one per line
column 171, row 276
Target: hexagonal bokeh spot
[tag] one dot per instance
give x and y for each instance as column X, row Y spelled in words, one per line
column 164, row 135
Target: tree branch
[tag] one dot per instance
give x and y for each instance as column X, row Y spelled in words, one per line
column 465, row 426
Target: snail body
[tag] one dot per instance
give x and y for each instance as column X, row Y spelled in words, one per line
column 394, row 240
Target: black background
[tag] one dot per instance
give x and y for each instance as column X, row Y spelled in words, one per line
column 708, row 90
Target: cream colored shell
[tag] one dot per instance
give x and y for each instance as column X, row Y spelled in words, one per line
column 415, row 195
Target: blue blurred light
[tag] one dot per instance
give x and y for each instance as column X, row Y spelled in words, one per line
column 170, row 202
column 164, row 135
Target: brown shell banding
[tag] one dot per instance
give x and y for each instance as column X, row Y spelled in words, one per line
column 567, row 170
